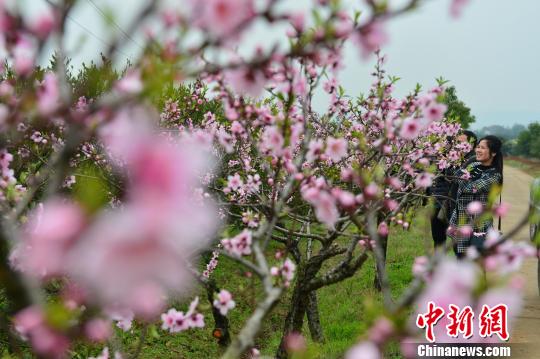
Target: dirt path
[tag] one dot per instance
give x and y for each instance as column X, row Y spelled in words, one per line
column 525, row 334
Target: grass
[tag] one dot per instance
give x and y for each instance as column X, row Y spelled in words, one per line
column 346, row 308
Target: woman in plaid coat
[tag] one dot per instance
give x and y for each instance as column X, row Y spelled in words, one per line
column 474, row 185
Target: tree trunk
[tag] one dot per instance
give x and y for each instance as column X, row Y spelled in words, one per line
column 221, row 323
column 295, row 317
column 384, row 245
column 314, row 321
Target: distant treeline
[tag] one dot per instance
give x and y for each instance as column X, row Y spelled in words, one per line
column 518, row 140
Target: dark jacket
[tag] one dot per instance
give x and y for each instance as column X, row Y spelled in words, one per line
column 477, row 188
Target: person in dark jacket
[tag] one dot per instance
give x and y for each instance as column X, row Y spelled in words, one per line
column 467, row 227
column 445, row 192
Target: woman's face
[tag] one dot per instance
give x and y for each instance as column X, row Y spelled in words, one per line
column 482, row 152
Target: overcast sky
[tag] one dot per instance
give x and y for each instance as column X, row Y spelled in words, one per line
column 491, row 54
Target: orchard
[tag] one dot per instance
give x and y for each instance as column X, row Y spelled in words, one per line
column 195, row 204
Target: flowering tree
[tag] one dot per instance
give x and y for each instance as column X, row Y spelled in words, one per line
column 176, row 162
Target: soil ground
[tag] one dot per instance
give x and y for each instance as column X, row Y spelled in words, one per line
column 525, row 334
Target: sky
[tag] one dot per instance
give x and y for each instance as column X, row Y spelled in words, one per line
column 491, row 53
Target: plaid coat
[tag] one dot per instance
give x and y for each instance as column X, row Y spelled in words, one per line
column 476, row 189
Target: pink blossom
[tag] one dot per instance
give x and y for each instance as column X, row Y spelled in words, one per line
column 274, row 271
column 147, row 299
column 346, row 199
column 174, row 321
column 465, row 175
column 410, row 129
column 30, row 322
column 315, row 149
column 28, row 319
column 240, row 244
column 49, row 342
column 395, row 183
column 336, row 148
column 325, row 209
column 295, row 343
column 381, row 330
column 435, row 111
column 123, row 317
column 48, row 237
column 391, row 204
column 163, row 172
column 235, row 182
column 246, row 81
column 288, row 269
column 424, row 180
column 298, row 21
column 224, row 302
column 382, row 229
column 221, row 18
column 509, row 257
column 442, row 164
column 364, row 350
column 130, row 84
column 419, row 268
column 43, row 25
column 423, row 161
column 456, row 7
column 465, row 231
column 344, row 25
column 105, row 355
column 226, row 140
column 49, row 94
column 371, row 190
column 475, row 208
column 98, row 330
column 408, row 347
column 254, row 353
column 370, row 38
column 272, row 141
column 347, row 174
column 130, row 257
column 501, row 209
column 196, row 320
column 23, row 56
column 69, row 181
column 330, row 85
column 6, row 89
column 134, row 256
column 230, row 112
column 134, row 121
column 237, row 128
column 492, row 237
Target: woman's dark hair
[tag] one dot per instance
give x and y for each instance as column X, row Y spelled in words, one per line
column 471, row 136
column 495, row 146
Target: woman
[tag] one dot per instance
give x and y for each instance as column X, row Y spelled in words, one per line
column 482, row 176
